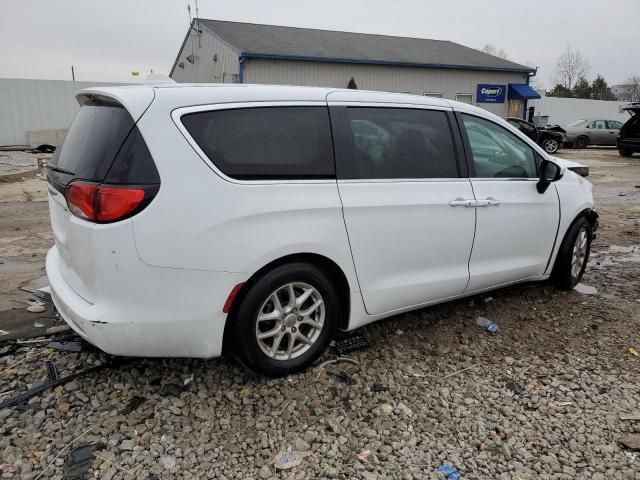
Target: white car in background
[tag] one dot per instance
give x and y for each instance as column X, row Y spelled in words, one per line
column 272, row 216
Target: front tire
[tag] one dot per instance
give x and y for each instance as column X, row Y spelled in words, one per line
column 286, row 319
column 573, row 255
column 551, row 145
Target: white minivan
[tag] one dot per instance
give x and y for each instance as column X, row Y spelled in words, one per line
column 272, row 216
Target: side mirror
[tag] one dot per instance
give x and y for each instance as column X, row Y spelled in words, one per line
column 549, row 172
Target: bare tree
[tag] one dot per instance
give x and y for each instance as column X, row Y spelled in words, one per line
column 493, row 50
column 571, row 67
column 631, row 91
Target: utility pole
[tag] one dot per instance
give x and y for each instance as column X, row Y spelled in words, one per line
column 73, row 74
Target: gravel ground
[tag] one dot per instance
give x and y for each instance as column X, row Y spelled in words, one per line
column 540, row 399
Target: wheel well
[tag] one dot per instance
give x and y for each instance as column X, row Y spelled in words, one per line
column 582, row 136
column 592, row 216
column 331, row 268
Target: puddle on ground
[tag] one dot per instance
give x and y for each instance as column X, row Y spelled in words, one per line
column 585, row 289
column 613, row 255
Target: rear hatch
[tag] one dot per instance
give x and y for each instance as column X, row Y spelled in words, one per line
column 102, row 173
column 630, row 131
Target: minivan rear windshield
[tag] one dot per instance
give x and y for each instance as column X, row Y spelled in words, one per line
column 103, row 144
column 93, row 140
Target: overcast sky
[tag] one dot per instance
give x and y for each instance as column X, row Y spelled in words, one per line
column 107, row 40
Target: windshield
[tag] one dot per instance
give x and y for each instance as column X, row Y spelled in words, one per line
column 576, row 123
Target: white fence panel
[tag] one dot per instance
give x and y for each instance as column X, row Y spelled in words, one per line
column 36, row 105
column 562, row 111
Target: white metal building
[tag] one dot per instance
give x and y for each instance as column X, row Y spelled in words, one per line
column 230, row 52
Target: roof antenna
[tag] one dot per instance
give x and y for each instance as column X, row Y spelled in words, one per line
column 189, row 12
column 198, row 25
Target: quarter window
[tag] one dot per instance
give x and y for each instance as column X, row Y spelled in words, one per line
column 497, row 153
column 398, row 143
column 266, row 142
column 613, row 124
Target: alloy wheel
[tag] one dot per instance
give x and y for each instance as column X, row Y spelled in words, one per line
column 290, row 321
column 551, row 146
column 579, row 253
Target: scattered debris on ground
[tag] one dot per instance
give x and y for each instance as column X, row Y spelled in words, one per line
column 443, row 395
column 350, row 344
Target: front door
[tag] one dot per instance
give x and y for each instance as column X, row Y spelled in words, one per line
column 516, row 225
column 398, row 174
column 598, row 133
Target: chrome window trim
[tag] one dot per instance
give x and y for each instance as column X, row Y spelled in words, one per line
column 409, row 106
column 403, row 180
column 501, row 179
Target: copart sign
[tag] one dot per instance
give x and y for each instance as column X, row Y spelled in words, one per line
column 490, row 93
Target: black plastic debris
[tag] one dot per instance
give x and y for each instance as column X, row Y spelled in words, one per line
column 42, row 296
column 25, row 405
column 378, row 387
column 166, row 389
column 341, row 375
column 79, row 460
column 514, row 386
column 36, row 390
column 75, row 346
column 133, row 404
column 52, row 371
column 350, row 344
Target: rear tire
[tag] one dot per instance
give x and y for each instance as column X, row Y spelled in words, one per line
column 581, row 142
column 624, row 152
column 573, row 255
column 286, row 319
column 551, row 145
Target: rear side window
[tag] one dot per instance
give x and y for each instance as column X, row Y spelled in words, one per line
column 103, row 145
column 266, row 142
column 389, row 143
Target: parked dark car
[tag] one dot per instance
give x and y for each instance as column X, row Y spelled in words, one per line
column 628, row 141
column 550, row 138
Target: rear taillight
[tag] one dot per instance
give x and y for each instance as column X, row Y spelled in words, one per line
column 107, row 203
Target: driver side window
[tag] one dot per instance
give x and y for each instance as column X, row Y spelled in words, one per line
column 497, row 153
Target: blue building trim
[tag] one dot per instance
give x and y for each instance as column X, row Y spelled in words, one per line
column 269, row 56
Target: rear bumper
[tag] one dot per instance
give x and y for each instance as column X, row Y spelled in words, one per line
column 154, row 312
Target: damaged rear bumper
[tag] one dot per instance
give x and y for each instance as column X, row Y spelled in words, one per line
column 155, row 312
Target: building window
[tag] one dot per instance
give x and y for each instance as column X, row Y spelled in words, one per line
column 432, row 94
column 464, row 98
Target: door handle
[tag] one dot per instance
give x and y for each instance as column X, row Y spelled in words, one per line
column 488, row 202
column 461, row 202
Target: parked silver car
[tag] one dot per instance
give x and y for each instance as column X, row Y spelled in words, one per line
column 592, row 131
